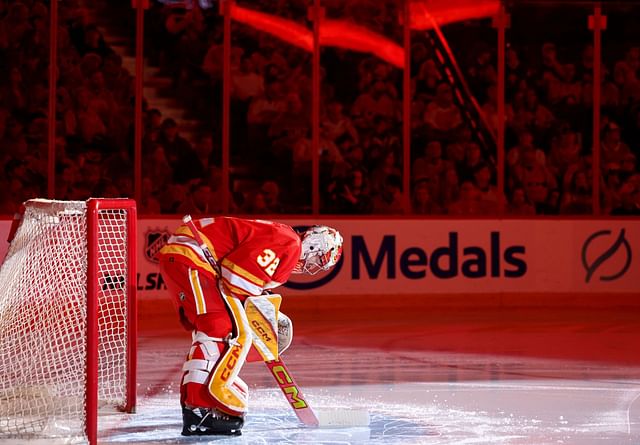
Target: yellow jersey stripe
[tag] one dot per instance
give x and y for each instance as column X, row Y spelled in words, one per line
column 188, row 253
column 201, row 306
column 242, row 272
column 234, row 289
column 238, row 281
column 186, row 231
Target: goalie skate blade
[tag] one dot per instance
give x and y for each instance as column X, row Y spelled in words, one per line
column 343, row 418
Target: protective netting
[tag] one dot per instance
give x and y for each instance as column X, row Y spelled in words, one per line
column 112, row 301
column 43, row 320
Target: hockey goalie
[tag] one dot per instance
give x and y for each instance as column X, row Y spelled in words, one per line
column 230, row 310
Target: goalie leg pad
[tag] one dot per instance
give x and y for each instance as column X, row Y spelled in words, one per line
column 225, row 386
column 202, row 358
column 199, row 369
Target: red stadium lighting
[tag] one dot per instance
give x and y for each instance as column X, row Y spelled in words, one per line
column 347, row 35
column 449, row 11
column 284, row 29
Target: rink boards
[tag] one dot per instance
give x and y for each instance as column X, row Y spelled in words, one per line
column 449, row 257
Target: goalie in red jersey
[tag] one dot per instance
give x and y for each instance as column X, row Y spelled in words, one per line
column 231, row 309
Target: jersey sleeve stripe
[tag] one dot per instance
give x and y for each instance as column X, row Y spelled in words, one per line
column 184, row 234
column 235, row 290
column 188, row 253
column 272, row 284
column 237, row 281
column 242, row 272
column 183, row 230
column 189, row 242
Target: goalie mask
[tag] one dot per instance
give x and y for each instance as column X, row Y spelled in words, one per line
column 321, row 250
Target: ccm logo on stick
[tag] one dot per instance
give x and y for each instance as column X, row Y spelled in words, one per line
column 292, row 391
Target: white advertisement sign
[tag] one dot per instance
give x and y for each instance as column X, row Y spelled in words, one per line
column 394, row 256
column 457, row 256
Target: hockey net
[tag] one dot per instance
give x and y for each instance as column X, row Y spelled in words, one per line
column 68, row 261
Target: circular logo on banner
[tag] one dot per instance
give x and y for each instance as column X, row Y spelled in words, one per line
column 307, row 282
column 606, row 260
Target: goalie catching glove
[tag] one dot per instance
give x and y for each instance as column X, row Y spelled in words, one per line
column 285, row 332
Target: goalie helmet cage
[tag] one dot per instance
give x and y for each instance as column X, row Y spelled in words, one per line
column 68, row 314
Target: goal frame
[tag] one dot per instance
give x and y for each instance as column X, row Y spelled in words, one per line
column 94, row 206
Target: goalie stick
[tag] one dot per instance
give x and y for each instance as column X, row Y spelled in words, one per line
column 281, row 374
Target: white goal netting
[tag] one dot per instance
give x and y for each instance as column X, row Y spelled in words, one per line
column 43, row 319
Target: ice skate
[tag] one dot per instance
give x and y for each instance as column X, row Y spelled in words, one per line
column 205, row 421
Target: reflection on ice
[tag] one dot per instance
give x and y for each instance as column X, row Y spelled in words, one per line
column 413, row 398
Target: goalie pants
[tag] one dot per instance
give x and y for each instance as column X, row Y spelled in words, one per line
column 221, row 339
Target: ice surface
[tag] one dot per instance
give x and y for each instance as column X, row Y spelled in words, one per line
column 413, row 397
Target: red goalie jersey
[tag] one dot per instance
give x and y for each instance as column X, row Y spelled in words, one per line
column 253, row 255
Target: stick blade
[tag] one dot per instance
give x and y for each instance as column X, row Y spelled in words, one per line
column 343, row 418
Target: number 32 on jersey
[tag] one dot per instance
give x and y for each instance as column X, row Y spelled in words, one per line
column 268, row 261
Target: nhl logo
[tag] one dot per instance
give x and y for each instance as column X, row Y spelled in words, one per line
column 154, row 241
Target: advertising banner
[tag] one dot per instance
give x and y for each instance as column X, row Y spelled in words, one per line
column 456, row 256
column 395, row 256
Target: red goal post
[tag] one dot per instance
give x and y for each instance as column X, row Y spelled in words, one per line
column 97, row 280
column 68, row 319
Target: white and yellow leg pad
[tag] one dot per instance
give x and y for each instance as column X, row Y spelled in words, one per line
column 203, row 356
column 225, row 386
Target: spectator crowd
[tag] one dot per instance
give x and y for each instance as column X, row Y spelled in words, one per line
column 549, row 91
